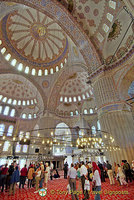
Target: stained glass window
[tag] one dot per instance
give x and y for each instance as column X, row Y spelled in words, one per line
column 10, row 130
column 18, row 147
column 2, row 128
column 25, row 148
column 12, row 114
column 6, row 110
column 6, row 145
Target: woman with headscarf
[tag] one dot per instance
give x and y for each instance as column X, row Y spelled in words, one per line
column 96, row 182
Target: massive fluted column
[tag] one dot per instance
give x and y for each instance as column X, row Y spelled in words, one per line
column 115, row 117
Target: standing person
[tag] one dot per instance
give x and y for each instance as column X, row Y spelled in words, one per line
column 14, row 179
column 42, row 175
column 96, row 181
column 51, row 170
column 4, row 172
column 10, row 172
column 23, row 176
column 79, row 176
column 84, row 174
column 47, row 173
column 127, row 171
column 65, row 170
column 30, row 175
column 37, row 178
column 110, row 173
column 102, row 172
column 121, row 176
column 72, row 174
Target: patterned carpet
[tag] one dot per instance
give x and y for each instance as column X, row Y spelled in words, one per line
column 57, row 191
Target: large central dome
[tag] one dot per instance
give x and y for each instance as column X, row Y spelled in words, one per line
column 34, row 40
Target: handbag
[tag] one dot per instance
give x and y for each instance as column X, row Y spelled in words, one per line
column 87, row 185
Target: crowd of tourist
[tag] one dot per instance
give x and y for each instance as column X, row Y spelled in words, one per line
column 96, row 174
column 89, row 176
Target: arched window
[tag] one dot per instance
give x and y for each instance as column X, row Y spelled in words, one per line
column 2, row 128
column 87, row 94
column 79, row 98
column 77, row 113
column 33, row 72
column 6, row 110
column 98, row 125
column 18, row 147
column 61, row 65
column 19, row 102
column 24, row 103
column 46, row 72
column 40, row 72
column 14, row 102
column 65, row 99
column 93, row 130
column 70, row 99
column 29, row 116
column 27, row 70
column 28, row 102
column 35, row 115
column 91, row 111
column 57, row 68
column 61, row 99
column 9, row 101
column 6, row 145
column 83, row 96
column 8, row 56
column 25, row 148
column 74, row 99
column 85, row 111
column 71, row 113
column 3, row 50
column 32, row 102
column 13, row 62
column 0, row 109
column 4, row 99
column 51, row 71
column 10, row 130
column 20, row 67
column 12, row 114
column 24, row 116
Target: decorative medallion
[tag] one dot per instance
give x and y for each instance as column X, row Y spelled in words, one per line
column 34, row 40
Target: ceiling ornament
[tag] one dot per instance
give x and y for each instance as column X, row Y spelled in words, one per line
column 33, row 41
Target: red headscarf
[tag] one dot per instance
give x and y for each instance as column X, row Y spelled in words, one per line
column 95, row 167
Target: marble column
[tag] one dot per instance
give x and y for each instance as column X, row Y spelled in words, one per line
column 115, row 118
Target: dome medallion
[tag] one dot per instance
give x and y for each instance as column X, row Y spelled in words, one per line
column 33, row 42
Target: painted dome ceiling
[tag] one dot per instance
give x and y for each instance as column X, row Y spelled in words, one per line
column 17, row 87
column 76, row 85
column 30, row 39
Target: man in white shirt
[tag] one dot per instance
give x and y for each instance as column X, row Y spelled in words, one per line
column 72, row 174
column 84, row 173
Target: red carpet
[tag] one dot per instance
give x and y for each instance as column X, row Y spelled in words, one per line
column 57, row 189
